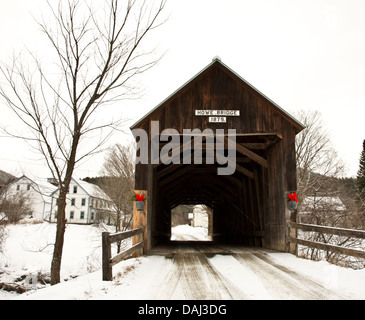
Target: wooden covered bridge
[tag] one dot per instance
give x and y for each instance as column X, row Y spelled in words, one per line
column 249, row 205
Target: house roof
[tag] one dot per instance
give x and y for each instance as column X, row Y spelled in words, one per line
column 320, row 203
column 44, row 188
column 299, row 126
column 92, row 190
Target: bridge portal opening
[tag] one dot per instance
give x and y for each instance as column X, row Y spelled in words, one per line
column 249, row 204
column 192, row 223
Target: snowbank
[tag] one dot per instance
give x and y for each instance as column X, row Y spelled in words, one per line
column 189, row 233
column 346, row 281
column 28, row 251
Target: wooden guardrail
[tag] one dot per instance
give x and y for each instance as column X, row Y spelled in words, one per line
column 108, row 239
column 328, row 230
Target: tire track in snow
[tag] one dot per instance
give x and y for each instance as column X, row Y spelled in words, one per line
column 219, row 273
column 315, row 287
column 169, row 285
column 200, row 281
column 281, row 282
column 197, row 279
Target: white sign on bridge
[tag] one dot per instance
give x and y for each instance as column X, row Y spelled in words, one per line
column 223, row 113
column 218, row 119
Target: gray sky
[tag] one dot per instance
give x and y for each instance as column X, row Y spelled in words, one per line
column 306, row 54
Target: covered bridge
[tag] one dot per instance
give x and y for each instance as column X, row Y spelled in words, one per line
column 248, row 204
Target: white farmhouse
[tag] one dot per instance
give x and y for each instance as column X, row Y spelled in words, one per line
column 37, row 192
column 86, row 204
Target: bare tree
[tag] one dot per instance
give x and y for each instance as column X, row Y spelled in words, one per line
column 316, row 156
column 14, row 207
column 99, row 50
column 118, row 183
column 329, row 211
column 2, row 229
column 324, row 198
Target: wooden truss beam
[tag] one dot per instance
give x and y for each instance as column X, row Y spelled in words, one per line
column 252, row 155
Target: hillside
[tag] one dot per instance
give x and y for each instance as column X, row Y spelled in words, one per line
column 5, row 177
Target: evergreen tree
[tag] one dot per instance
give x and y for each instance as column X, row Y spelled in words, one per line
column 361, row 174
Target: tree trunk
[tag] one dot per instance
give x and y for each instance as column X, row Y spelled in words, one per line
column 58, row 117
column 58, row 248
column 61, row 211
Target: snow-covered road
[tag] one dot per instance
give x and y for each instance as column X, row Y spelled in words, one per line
column 209, row 272
column 220, row 272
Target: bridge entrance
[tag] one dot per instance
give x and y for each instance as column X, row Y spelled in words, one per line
column 192, row 223
column 218, row 142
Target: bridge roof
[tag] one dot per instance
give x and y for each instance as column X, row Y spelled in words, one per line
column 217, row 63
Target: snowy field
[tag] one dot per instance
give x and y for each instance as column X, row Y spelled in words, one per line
column 27, row 252
column 28, row 249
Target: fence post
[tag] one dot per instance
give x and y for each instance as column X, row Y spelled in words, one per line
column 140, row 238
column 107, row 255
column 292, row 233
column 140, row 220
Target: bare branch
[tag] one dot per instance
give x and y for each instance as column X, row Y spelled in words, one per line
column 98, row 52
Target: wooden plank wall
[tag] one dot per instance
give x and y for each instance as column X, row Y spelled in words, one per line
column 258, row 205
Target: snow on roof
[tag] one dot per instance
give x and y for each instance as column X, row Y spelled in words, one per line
column 46, row 189
column 92, row 190
column 322, row 203
column 38, row 184
column 44, row 186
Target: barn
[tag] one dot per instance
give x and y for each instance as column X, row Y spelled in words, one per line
column 219, row 142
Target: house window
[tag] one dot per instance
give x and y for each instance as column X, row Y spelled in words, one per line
column 17, row 187
column 28, row 186
column 83, row 201
column 73, row 200
column 92, row 215
column 72, row 213
column 82, row 214
column 75, row 189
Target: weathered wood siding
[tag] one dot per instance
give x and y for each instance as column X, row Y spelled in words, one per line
column 248, row 208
